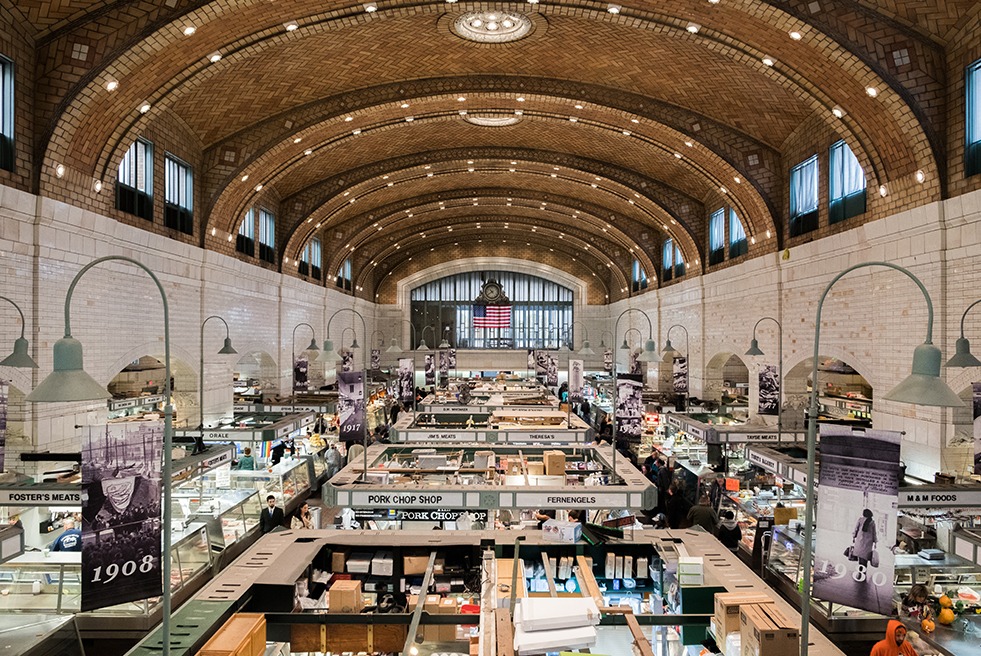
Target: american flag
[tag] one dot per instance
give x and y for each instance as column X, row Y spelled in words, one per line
column 492, row 316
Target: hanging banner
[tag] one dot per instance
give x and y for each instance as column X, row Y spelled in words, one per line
column 121, row 538
column 856, row 519
column 4, row 395
column 451, row 358
column 607, row 360
column 633, row 364
column 376, row 356
column 430, row 369
column 551, row 371
column 350, row 401
column 301, row 368
column 575, row 382
column 347, row 360
column 629, row 407
column 679, row 371
column 406, row 380
column 769, row 397
column 541, row 364
column 444, row 363
column 976, row 394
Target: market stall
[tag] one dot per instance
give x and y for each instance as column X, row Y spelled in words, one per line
column 512, row 425
column 447, row 485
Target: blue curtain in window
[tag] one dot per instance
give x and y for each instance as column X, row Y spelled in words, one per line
column 667, row 259
column 973, row 151
column 679, row 263
column 717, row 236
column 737, row 236
column 846, row 184
column 804, row 196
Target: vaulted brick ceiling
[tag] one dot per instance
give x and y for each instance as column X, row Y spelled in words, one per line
column 630, row 125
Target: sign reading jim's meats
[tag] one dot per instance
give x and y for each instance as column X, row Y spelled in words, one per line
column 857, row 516
column 121, row 466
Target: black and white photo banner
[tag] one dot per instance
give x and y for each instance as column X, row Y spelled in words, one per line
column 4, row 396
column 430, row 361
column 376, row 359
column 629, row 406
column 976, row 398
column 769, row 395
column 575, row 381
column 406, row 380
column 301, row 371
column 350, row 402
column 679, row 371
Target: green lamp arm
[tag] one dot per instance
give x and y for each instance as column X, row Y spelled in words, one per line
column 214, row 316
column 364, row 328
column 23, row 323
column 761, row 319
column 303, row 323
column 667, row 336
column 963, row 316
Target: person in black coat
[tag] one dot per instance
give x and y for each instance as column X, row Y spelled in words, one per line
column 676, row 507
column 663, row 482
column 271, row 517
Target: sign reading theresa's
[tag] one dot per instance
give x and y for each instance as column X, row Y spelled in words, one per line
column 31, row 497
column 570, row 499
column 407, row 499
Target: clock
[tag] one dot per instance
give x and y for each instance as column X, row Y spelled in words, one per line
column 492, row 291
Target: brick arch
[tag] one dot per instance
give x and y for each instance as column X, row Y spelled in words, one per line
column 767, row 20
column 570, row 247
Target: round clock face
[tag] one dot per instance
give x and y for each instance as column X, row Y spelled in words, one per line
column 492, row 291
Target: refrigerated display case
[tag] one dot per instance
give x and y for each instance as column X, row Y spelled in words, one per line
column 288, row 481
column 36, row 582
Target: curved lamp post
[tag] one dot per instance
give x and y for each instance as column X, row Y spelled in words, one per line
column 395, row 348
column 585, row 350
column 381, row 342
column 354, row 343
column 754, row 349
column 225, row 350
column 963, row 356
column 923, row 387
column 20, row 358
column 69, row 382
column 329, row 355
column 422, row 344
column 312, row 347
column 603, row 339
column 625, row 346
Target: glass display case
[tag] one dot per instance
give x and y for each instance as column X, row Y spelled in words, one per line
column 190, row 555
column 37, row 583
column 286, row 480
column 229, row 515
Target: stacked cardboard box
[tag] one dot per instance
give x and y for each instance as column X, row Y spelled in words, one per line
column 764, row 631
column 691, row 570
column 727, row 604
column 554, row 463
column 548, row 624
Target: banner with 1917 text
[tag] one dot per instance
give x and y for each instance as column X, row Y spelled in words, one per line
column 350, row 401
column 121, row 465
column 857, row 516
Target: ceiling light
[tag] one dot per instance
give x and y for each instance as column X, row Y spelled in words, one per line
column 461, row 99
column 693, row 28
column 920, row 176
column 308, row 151
column 573, row 119
column 883, row 190
column 409, row 119
column 349, row 118
column 291, row 26
column 370, row 7
column 518, row 112
column 533, row 2
column 229, row 237
column 258, row 187
column 872, row 91
column 98, row 186
column 767, row 234
column 738, row 180
column 112, row 84
column 463, row 112
column 837, row 111
column 189, row 30
column 405, row 105
column 144, row 108
column 625, row 132
column 451, row 2
column 796, row 36
column 613, row 9
column 633, row 120
column 60, row 170
column 578, row 106
column 245, row 177
column 298, row 140
column 678, row 155
column 713, row 2
column 521, row 98
column 767, row 61
column 723, row 190
column 689, row 144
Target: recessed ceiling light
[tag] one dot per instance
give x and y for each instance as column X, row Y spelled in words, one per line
column 518, row 112
column 245, row 178
column 920, row 176
column 189, row 30
column 689, row 144
column 144, row 108
column 767, row 234
column 308, row 151
column 214, row 57
column 578, row 106
column 405, row 105
column 767, row 61
column 633, row 120
column 613, row 9
column 98, row 186
column 713, row 2
column 678, row 155
column 258, row 187
column 883, row 191
column 533, row 2
column 348, row 118
column 229, row 237
column 370, row 7
column 573, row 119
column 693, row 28
column 872, row 91
column 737, row 179
column 626, row 132
column 796, row 36
column 837, row 111
column 723, row 190
column 469, row 161
column 291, row 26
column 521, row 98
column 461, row 99
column 409, row 119
column 463, row 112
column 112, row 84
column 357, row 131
column 297, row 140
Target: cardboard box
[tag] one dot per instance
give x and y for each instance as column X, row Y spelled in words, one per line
column 727, row 610
column 536, row 468
column 430, row 632
column 570, row 532
column 382, row 564
column 691, row 565
column 244, row 634
column 691, row 580
column 554, row 463
column 414, row 565
column 338, row 561
column 782, row 516
column 447, row 632
column 764, row 631
column 345, row 597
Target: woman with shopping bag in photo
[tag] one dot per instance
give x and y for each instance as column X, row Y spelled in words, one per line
column 864, row 540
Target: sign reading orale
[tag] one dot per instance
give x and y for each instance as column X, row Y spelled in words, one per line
column 381, row 499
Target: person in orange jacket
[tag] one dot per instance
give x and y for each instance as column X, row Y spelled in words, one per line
column 895, row 643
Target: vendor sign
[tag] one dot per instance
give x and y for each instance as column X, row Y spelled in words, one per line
column 856, row 518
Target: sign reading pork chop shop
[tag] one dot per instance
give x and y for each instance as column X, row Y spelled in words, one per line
column 407, row 499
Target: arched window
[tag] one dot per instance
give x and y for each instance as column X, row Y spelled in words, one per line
column 846, row 184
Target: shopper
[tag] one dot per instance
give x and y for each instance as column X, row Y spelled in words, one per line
column 70, row 540
column 864, row 539
column 703, row 515
column 333, row 459
column 663, row 482
column 916, row 603
column 393, row 415
column 301, row 518
column 246, row 462
column 271, row 517
column 544, row 515
column 584, row 411
column 728, row 531
column 676, row 506
column 717, row 491
column 894, row 644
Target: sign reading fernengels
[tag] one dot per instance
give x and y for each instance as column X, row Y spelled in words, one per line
column 570, row 499
column 31, row 497
column 381, row 499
